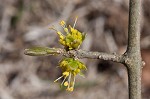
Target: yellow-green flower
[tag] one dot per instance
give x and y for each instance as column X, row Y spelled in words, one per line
column 70, row 68
column 73, row 38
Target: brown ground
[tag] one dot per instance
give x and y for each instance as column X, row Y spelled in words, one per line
column 25, row 23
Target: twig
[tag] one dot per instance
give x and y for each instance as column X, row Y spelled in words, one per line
column 96, row 55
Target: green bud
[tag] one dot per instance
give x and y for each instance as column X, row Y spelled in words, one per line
column 42, row 51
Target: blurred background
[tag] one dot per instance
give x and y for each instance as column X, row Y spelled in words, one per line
column 25, row 23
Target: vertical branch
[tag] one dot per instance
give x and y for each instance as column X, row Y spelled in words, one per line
column 134, row 80
column 133, row 54
column 134, row 26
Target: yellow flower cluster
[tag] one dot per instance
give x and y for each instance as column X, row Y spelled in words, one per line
column 73, row 38
column 70, row 68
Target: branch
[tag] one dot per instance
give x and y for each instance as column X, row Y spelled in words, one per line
column 133, row 55
column 95, row 55
column 134, row 26
column 45, row 51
